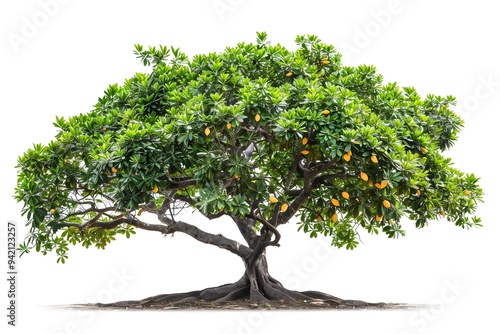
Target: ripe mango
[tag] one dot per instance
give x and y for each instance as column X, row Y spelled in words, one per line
column 284, row 207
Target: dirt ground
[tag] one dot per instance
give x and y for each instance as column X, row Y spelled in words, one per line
column 247, row 305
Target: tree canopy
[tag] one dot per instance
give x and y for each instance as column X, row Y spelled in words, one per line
column 256, row 132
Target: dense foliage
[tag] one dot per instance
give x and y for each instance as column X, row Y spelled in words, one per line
column 255, row 131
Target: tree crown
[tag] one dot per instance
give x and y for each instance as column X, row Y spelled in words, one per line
column 256, row 131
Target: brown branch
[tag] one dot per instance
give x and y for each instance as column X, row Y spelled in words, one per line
column 192, row 203
column 293, row 170
column 90, row 210
column 293, row 192
column 180, row 182
column 263, row 241
column 97, row 224
column 91, row 222
column 191, row 230
column 311, row 182
column 257, row 130
column 213, row 239
column 186, row 199
column 284, row 217
column 327, row 177
column 324, row 166
column 270, row 227
column 247, row 230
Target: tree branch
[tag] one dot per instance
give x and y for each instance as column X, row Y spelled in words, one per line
column 191, row 230
column 97, row 224
column 213, row 239
column 247, row 230
column 90, row 210
column 312, row 180
column 293, row 170
column 192, row 203
column 324, row 166
column 284, row 217
column 180, row 182
column 325, row 178
column 271, row 228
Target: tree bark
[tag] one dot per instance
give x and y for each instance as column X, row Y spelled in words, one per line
column 256, row 285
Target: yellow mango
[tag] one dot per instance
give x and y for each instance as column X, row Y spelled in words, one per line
column 284, row 207
column 273, row 199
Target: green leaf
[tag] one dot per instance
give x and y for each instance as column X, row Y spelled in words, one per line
column 281, row 121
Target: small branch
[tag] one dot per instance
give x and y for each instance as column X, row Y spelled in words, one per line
column 322, row 167
column 97, row 224
column 192, row 203
column 181, row 182
column 327, row 177
column 293, row 170
column 256, row 130
column 91, row 222
column 270, row 227
column 92, row 209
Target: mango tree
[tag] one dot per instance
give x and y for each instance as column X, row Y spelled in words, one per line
column 259, row 134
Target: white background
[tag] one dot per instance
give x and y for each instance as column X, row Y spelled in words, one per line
column 59, row 56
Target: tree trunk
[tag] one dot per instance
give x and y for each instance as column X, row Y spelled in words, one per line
column 256, row 285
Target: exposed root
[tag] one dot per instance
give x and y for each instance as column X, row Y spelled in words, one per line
column 263, row 291
column 256, row 287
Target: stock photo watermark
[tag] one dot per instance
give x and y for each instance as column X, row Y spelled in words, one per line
column 300, row 272
column 12, row 274
column 423, row 318
column 486, row 86
column 223, row 7
column 366, row 33
column 119, row 281
column 292, row 278
column 32, row 24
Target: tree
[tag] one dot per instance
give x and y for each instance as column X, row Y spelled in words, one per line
column 259, row 134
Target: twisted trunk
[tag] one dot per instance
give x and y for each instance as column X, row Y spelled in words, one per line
column 256, row 284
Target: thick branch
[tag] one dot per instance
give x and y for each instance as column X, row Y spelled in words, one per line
column 293, row 170
column 313, row 179
column 284, row 217
column 323, row 179
column 271, row 228
column 247, row 230
column 324, row 166
column 181, row 182
column 169, row 228
column 200, row 235
column 213, row 239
